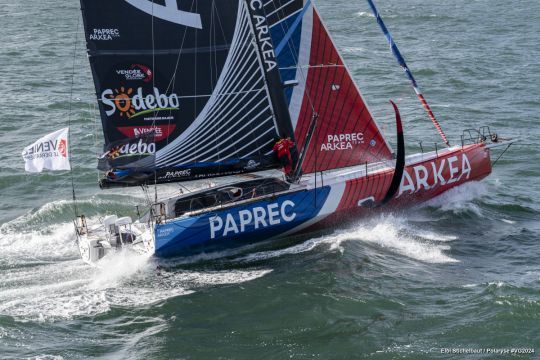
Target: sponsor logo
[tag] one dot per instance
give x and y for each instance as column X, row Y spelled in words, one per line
column 263, row 35
column 340, row 142
column 160, row 131
column 168, row 12
column 104, row 34
column 132, row 103
column 256, row 218
column 372, row 142
column 131, row 149
column 165, row 231
column 136, row 72
column 419, row 178
column 252, row 164
column 46, row 149
column 62, row 147
column 176, row 174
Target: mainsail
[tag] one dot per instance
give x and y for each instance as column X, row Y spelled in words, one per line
column 197, row 74
column 346, row 133
column 216, row 82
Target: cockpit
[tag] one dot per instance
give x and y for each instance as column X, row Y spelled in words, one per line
column 227, row 194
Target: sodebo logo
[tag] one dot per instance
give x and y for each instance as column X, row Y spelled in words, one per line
column 258, row 217
column 132, row 104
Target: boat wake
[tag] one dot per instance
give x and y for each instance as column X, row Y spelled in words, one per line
column 387, row 232
column 395, row 233
column 47, row 280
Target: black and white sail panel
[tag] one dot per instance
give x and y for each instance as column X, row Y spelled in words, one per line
column 190, row 73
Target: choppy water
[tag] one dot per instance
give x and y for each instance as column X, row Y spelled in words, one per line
column 461, row 271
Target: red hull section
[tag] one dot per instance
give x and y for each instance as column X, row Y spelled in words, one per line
column 423, row 179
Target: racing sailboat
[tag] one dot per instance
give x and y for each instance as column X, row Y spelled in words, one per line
column 190, row 90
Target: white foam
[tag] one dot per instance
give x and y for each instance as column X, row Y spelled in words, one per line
column 460, row 199
column 397, row 235
column 44, row 213
column 67, row 287
column 497, row 284
column 432, row 236
column 364, row 14
column 52, row 242
column 353, row 50
column 387, row 231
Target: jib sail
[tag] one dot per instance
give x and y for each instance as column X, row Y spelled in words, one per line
column 200, row 76
column 321, row 84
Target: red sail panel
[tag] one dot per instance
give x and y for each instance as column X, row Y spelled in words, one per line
column 346, row 134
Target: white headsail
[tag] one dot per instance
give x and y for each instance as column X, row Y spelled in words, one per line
column 51, row 152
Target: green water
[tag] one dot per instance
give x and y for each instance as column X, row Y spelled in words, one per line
column 460, row 272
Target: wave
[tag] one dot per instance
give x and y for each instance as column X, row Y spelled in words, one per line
column 460, row 199
column 66, row 287
column 389, row 232
column 364, row 14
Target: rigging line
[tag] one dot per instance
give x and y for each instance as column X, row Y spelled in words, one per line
column 500, row 156
column 172, row 82
column 75, row 209
column 215, row 123
column 312, row 66
column 285, row 28
column 154, row 86
column 207, row 96
column 403, row 64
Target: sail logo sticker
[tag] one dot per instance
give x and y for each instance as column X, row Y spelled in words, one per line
column 136, row 72
column 168, row 12
column 160, row 132
column 176, row 174
column 258, row 217
column 263, row 36
column 130, row 149
column 62, row 148
column 421, row 179
column 131, row 103
column 104, row 34
column 252, row 164
column 340, row 142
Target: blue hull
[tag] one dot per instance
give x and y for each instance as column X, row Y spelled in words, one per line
column 239, row 225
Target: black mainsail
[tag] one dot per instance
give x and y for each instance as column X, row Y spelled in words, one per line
column 196, row 75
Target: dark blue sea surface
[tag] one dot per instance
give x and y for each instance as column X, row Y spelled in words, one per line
column 462, row 271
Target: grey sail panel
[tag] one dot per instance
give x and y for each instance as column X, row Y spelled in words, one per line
column 190, row 74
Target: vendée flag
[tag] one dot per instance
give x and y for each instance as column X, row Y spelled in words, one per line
column 51, row 152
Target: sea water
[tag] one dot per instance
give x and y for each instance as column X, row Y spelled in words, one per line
column 459, row 272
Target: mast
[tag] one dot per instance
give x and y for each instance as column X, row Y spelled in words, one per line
column 267, row 55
